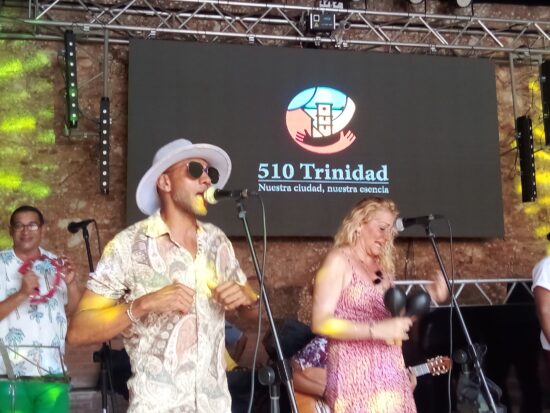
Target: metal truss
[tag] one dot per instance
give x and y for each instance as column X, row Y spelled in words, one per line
column 492, row 291
column 274, row 24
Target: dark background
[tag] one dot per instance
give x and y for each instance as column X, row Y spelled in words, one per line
column 432, row 120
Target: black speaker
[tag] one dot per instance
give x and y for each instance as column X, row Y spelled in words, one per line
column 524, row 131
column 545, row 97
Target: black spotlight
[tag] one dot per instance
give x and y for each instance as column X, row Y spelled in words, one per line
column 71, row 88
column 545, row 97
column 524, row 131
column 104, row 144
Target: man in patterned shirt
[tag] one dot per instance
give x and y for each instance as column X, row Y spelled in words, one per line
column 34, row 305
column 165, row 284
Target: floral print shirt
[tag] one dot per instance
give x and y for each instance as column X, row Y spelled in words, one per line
column 313, row 354
column 33, row 334
column 177, row 360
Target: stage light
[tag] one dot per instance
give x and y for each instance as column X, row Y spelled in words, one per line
column 463, row 3
column 415, row 2
column 524, row 130
column 322, row 22
column 104, row 145
column 71, row 87
column 545, row 97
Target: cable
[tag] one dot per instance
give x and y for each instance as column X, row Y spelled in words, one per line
column 259, row 330
column 452, row 292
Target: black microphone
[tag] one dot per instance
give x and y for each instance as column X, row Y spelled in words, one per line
column 213, row 195
column 74, row 227
column 402, row 223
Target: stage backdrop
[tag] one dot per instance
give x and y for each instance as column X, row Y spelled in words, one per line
column 313, row 131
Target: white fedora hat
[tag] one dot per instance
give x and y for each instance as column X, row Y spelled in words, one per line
column 146, row 194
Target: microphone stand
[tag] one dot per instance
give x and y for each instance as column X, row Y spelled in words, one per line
column 454, row 304
column 283, row 368
column 103, row 356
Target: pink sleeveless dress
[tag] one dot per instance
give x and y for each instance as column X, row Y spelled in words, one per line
column 366, row 376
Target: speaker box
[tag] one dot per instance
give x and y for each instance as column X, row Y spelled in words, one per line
column 545, row 95
column 524, row 131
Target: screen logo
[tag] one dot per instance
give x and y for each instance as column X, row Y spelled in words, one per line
column 316, row 119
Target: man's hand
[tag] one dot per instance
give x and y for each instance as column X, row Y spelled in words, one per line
column 232, row 295
column 29, row 284
column 174, row 297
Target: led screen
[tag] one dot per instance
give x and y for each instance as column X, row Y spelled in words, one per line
column 314, row 131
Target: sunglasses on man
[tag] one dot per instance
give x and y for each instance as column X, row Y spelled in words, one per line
column 196, row 170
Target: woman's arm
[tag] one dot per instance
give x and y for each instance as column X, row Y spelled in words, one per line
column 330, row 281
column 438, row 290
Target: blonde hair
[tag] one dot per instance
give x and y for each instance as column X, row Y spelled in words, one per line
column 362, row 212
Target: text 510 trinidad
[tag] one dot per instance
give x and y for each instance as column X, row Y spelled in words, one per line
column 313, row 172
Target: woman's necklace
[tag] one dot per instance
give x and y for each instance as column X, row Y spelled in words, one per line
column 379, row 275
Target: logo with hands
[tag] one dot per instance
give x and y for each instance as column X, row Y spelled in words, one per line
column 317, row 117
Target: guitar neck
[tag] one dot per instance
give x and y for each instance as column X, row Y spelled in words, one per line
column 434, row 366
column 420, row 369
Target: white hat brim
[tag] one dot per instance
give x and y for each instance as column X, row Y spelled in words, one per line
column 146, row 194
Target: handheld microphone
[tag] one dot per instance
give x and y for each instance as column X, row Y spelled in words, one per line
column 213, row 195
column 402, row 223
column 74, row 227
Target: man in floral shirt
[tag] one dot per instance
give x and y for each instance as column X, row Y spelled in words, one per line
column 35, row 300
column 165, row 284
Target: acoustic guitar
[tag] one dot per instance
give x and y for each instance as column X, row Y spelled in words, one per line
column 435, row 366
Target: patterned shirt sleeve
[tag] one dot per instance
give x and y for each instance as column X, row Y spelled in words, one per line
column 226, row 262
column 313, row 354
column 108, row 279
column 541, row 274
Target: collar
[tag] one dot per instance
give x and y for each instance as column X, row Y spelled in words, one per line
column 41, row 251
column 156, row 227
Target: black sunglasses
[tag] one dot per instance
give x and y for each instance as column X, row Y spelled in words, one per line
column 196, row 170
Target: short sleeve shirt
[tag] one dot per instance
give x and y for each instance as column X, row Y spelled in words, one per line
column 313, row 354
column 541, row 278
column 34, row 334
column 177, row 360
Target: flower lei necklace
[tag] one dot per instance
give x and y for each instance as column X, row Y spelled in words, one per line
column 37, row 298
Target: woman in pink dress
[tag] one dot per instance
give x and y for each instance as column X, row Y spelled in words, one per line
column 365, row 368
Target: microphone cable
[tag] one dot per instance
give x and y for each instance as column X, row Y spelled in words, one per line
column 259, row 330
column 451, row 308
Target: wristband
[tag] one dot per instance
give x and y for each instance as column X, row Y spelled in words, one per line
column 131, row 315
